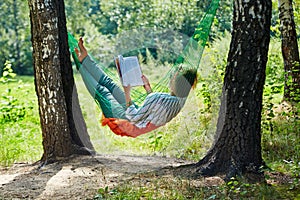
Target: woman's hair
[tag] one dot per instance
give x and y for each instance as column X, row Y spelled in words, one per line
column 184, row 81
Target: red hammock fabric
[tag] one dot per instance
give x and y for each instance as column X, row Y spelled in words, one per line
column 123, row 127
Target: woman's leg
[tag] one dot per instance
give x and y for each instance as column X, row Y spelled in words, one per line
column 109, row 105
column 99, row 75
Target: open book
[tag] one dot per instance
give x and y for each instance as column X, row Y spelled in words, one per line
column 129, row 70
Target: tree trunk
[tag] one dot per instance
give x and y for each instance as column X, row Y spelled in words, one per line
column 237, row 146
column 290, row 52
column 76, row 121
column 57, row 96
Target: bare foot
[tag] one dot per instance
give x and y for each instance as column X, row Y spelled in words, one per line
column 82, row 52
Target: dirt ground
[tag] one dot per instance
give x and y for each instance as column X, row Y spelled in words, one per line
column 76, row 178
column 80, row 177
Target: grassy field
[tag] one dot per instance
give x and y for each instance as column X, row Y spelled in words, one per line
column 188, row 136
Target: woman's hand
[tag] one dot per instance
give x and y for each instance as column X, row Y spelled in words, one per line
column 146, row 84
column 145, row 80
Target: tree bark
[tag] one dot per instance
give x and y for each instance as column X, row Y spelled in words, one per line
column 290, row 52
column 237, row 146
column 57, row 96
column 76, row 121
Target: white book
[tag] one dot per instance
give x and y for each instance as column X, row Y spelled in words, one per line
column 129, row 70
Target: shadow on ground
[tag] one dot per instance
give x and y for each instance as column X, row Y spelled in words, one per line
column 76, row 177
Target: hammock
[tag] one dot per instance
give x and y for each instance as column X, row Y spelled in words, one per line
column 189, row 59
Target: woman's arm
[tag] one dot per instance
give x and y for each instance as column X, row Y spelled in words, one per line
column 127, row 90
column 127, row 95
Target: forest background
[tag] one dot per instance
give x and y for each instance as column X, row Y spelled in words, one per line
column 107, row 25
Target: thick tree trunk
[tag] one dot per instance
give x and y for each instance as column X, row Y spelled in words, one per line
column 237, row 147
column 54, row 82
column 290, row 52
column 76, row 121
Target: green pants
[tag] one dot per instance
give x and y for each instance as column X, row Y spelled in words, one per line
column 107, row 94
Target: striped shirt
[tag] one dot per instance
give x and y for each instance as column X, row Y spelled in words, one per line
column 158, row 109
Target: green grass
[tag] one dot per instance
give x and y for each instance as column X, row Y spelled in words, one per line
column 20, row 133
column 151, row 187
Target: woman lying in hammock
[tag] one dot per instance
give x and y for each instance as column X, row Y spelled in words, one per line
column 122, row 115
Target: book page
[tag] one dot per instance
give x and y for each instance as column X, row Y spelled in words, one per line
column 118, row 61
column 131, row 72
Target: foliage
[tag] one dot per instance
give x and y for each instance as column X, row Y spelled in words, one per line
column 178, row 15
column 152, row 187
column 223, row 20
column 280, row 121
column 296, row 8
column 18, row 120
column 15, row 36
column 104, row 23
column 11, row 109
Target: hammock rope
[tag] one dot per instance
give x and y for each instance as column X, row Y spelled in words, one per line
column 189, row 59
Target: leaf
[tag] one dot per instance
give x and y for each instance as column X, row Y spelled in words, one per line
column 5, row 73
column 213, row 196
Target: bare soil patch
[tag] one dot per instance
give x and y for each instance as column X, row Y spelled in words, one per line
column 78, row 177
